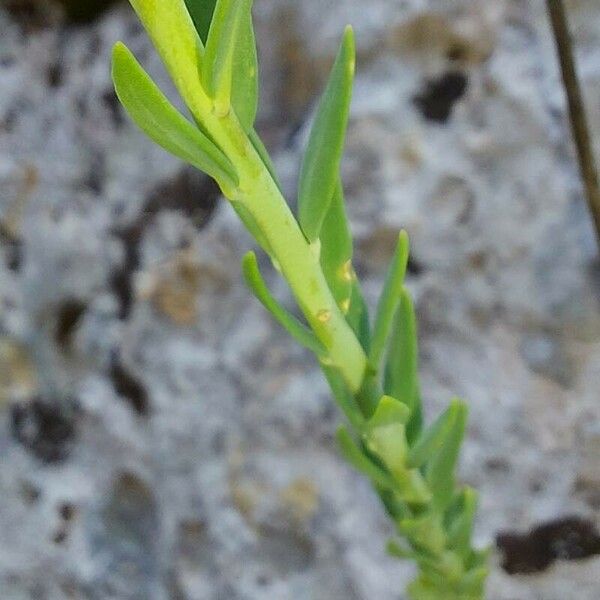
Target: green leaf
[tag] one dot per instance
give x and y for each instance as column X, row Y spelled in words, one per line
column 395, row 549
column 389, row 300
column 440, row 471
column 252, row 226
column 461, row 528
column 358, row 316
column 430, row 440
column 160, row 120
column 355, row 456
column 425, row 532
column 343, row 396
column 219, row 56
column 321, row 164
column 336, row 251
column 256, row 283
column 201, row 12
column 389, row 412
column 244, row 96
column 264, row 155
column 401, row 368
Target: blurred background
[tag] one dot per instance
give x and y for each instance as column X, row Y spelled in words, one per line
column 162, row 439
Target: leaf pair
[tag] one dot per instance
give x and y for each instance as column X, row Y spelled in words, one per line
column 225, row 28
column 230, row 67
column 161, row 121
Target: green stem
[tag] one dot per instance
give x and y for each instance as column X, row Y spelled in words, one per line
column 297, row 259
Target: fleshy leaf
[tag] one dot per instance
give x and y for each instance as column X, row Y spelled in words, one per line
column 358, row 316
column 264, row 155
column 217, row 67
column 355, row 456
column 440, row 472
column 389, row 300
column 251, row 225
column 244, row 96
column 389, row 412
column 401, row 368
column 160, row 120
column 256, row 283
column 321, row 164
column 336, row 251
column 461, row 528
column 431, row 439
column 344, row 398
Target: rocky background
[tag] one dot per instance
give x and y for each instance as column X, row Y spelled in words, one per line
column 162, row 439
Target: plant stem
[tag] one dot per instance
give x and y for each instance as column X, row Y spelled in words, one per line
column 297, row 259
column 579, row 123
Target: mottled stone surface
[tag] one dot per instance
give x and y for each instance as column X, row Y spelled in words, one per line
column 161, row 438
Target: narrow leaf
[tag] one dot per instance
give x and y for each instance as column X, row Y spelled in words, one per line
column 354, row 455
column 389, row 300
column 217, row 71
column 440, row 472
column 264, row 155
column 336, row 251
column 321, row 164
column 358, row 316
column 343, row 396
column 394, row 548
column 401, row 368
column 256, row 283
column 160, row 120
column 461, row 528
column 430, row 440
column 244, row 96
column 252, row 226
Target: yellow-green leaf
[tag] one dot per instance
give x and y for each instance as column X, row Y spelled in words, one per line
column 321, row 164
column 160, row 120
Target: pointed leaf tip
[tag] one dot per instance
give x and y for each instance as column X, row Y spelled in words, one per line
column 295, row 328
column 321, row 163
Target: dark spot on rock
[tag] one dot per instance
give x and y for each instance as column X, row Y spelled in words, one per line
column 67, row 511
column 68, row 318
column 570, row 538
column 79, row 13
column 414, row 267
column 121, row 280
column 190, row 192
column 497, row 464
column 54, row 75
column 457, row 52
column 437, row 99
column 286, row 550
column 124, row 537
column 110, row 100
column 129, row 387
column 31, row 15
column 30, row 492
column 589, row 489
column 47, row 429
column 96, row 173
column 60, row 537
